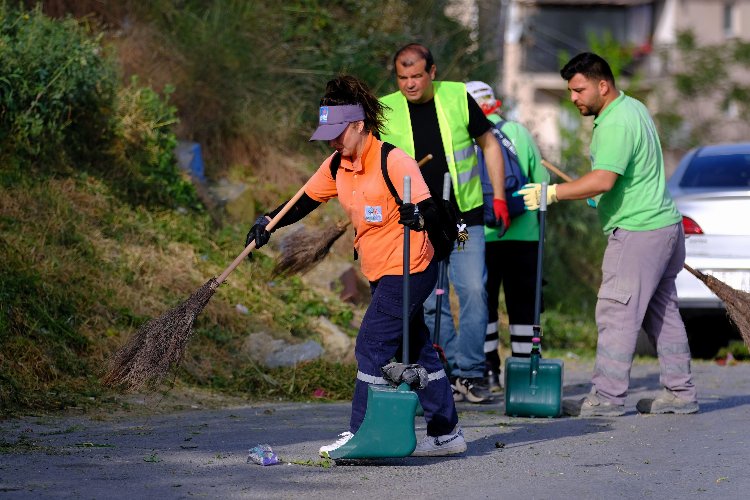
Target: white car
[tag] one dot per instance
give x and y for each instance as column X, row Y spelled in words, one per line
column 711, row 187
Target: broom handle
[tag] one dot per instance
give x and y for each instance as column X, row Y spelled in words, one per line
column 424, row 160
column 273, row 223
column 269, row 227
column 557, row 171
column 568, row 178
column 695, row 273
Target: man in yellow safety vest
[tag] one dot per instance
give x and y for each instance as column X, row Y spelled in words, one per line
column 440, row 118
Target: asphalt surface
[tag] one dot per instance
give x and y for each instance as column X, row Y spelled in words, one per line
column 203, row 452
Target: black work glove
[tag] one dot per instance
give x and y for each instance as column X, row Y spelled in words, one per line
column 258, row 233
column 410, row 217
column 414, row 375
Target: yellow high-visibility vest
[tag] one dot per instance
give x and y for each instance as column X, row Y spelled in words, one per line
column 451, row 104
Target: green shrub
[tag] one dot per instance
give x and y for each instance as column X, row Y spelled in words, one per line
column 737, row 349
column 57, row 89
column 565, row 331
column 145, row 149
column 254, row 71
column 62, row 108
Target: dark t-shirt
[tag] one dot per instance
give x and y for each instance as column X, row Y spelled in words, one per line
column 427, row 139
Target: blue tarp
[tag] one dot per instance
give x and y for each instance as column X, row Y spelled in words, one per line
column 189, row 158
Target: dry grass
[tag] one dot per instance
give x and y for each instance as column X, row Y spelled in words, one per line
column 144, row 51
column 81, row 273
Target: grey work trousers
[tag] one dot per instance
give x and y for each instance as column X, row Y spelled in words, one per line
column 638, row 290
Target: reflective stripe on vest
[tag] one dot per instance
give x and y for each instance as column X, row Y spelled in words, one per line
column 450, row 101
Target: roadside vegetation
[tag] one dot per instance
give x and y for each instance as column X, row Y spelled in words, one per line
column 708, row 77
column 100, row 230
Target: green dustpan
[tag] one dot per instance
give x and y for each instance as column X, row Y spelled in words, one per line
column 387, row 430
column 533, row 386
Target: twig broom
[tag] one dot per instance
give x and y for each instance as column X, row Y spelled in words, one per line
column 736, row 302
column 158, row 345
column 304, row 249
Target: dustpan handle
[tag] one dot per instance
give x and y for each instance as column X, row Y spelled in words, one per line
column 407, row 262
column 539, row 259
column 439, row 290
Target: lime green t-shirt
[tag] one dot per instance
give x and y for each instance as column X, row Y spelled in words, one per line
column 525, row 227
column 625, row 141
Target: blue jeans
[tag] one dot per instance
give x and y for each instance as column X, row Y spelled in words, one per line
column 468, row 275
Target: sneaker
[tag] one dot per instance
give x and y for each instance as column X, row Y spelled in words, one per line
column 457, row 395
column 666, row 403
column 471, row 389
column 441, row 446
column 493, row 382
column 344, row 438
column 592, row 406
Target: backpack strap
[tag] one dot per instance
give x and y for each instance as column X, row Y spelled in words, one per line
column 335, row 164
column 505, row 143
column 384, row 151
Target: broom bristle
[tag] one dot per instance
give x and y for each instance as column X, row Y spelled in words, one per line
column 303, row 249
column 158, row 346
column 737, row 304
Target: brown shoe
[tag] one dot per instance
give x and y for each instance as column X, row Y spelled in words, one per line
column 666, row 403
column 592, row 406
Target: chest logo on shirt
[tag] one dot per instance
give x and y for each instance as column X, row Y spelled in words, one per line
column 373, row 213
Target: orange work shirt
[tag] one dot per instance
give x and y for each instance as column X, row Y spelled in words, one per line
column 364, row 195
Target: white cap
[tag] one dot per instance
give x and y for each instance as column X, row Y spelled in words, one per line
column 480, row 91
column 483, row 94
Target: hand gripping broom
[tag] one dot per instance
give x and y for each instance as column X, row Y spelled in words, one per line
column 736, row 302
column 158, row 345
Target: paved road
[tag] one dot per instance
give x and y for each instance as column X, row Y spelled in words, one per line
column 203, row 452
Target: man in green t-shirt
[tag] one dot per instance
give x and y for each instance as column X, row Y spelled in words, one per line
column 511, row 258
column 645, row 250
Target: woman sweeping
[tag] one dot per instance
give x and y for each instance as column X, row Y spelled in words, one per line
column 350, row 116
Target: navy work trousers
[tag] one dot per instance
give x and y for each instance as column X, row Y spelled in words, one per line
column 380, row 339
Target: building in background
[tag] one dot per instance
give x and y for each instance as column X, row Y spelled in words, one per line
column 540, row 35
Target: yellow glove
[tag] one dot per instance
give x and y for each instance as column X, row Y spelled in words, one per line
column 532, row 195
